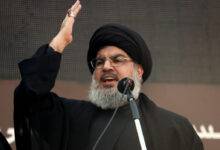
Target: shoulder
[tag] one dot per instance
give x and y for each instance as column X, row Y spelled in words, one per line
column 172, row 125
column 167, row 118
column 151, row 107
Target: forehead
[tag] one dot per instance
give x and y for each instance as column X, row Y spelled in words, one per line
column 110, row 51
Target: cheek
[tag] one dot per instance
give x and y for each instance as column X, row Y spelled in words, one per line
column 125, row 72
column 96, row 75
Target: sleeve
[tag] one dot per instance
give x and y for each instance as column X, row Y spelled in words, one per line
column 37, row 111
column 39, row 72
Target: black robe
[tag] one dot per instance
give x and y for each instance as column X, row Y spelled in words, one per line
column 45, row 121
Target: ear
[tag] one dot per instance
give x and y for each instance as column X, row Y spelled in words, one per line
column 140, row 71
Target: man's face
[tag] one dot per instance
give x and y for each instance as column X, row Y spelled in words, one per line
column 115, row 65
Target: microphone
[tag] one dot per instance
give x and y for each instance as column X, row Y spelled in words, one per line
column 125, row 85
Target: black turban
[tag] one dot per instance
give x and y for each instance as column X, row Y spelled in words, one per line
column 126, row 39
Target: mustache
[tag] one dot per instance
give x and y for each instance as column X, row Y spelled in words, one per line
column 109, row 75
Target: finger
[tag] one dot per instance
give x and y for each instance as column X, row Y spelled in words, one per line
column 75, row 5
column 74, row 11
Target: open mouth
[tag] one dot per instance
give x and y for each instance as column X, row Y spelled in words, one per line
column 108, row 80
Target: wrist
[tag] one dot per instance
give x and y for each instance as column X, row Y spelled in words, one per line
column 57, row 44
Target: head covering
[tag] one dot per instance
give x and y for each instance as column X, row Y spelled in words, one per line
column 126, row 39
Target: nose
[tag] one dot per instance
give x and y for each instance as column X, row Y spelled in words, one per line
column 107, row 65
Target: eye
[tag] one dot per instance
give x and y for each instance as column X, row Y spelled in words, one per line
column 99, row 62
column 119, row 59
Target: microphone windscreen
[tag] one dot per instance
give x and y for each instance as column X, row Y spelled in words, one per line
column 125, row 84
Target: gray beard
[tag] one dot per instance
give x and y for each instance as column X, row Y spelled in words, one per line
column 110, row 98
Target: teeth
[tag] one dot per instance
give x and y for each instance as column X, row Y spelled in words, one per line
column 109, row 77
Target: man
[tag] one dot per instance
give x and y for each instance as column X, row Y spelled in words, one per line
column 45, row 121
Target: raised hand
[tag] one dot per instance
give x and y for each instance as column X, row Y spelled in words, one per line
column 65, row 35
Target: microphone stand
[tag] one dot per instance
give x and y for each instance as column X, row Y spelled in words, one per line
column 136, row 117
